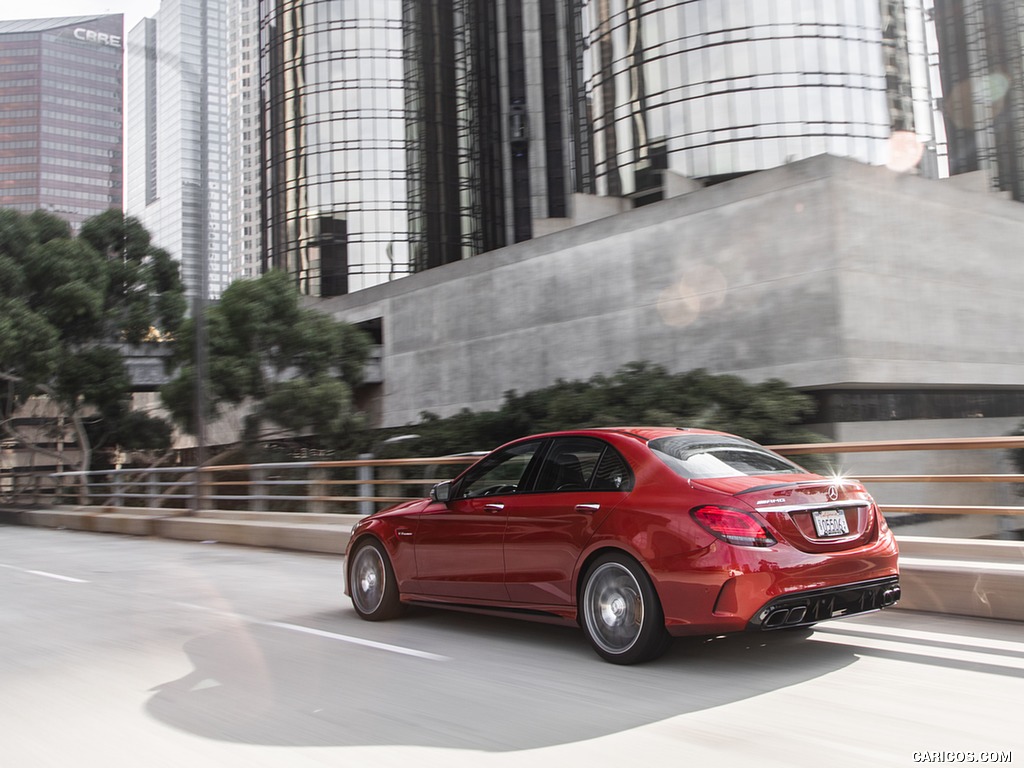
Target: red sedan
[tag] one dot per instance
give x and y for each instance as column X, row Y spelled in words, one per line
column 635, row 534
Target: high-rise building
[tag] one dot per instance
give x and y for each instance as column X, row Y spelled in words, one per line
column 61, row 117
column 981, row 59
column 177, row 137
column 711, row 90
column 335, row 166
column 397, row 133
column 244, row 176
column 400, row 135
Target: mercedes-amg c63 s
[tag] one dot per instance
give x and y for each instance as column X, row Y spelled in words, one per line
column 634, row 534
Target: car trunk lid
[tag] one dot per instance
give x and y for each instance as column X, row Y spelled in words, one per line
column 816, row 515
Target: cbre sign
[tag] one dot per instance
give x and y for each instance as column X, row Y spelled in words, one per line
column 101, row 38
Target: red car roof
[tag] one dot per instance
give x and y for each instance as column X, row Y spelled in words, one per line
column 650, row 433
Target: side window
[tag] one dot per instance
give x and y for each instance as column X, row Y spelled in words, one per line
column 499, row 473
column 612, row 473
column 581, row 463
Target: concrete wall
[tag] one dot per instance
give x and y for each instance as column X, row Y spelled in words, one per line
column 823, row 273
column 932, row 285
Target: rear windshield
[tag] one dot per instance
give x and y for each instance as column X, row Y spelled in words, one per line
column 697, row 456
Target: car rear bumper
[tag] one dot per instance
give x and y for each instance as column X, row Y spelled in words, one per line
column 804, row 608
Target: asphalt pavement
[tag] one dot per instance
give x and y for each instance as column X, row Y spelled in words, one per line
column 125, row 651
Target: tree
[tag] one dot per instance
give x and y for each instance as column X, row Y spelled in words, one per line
column 292, row 369
column 637, row 394
column 67, row 304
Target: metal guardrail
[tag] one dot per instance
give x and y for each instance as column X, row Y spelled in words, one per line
column 315, row 486
column 946, row 444
column 301, row 486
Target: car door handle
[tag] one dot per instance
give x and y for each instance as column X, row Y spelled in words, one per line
column 494, row 507
column 587, row 507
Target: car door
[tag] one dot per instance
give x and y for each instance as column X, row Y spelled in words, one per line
column 458, row 544
column 578, row 482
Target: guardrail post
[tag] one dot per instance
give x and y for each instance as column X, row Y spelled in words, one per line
column 391, row 473
column 152, row 491
column 199, row 490
column 364, row 474
column 257, row 481
column 318, row 488
column 116, row 489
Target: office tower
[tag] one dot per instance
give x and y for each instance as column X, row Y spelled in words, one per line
column 177, row 137
column 401, row 135
column 60, row 121
column 713, row 90
column 397, row 134
column 244, row 230
column 335, row 180
column 981, row 59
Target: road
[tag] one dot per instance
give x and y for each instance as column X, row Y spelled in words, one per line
column 120, row 651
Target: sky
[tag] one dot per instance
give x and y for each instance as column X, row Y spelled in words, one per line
column 133, row 10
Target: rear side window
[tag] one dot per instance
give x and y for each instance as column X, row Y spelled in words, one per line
column 698, row 456
column 580, row 463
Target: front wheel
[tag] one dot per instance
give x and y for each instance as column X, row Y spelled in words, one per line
column 620, row 611
column 372, row 582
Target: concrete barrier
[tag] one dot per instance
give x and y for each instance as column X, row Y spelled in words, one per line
column 325, row 533
column 966, row 577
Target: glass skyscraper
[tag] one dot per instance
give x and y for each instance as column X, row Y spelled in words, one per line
column 60, row 115
column 244, row 175
column 177, row 137
column 335, row 171
column 400, row 135
column 712, row 89
column 981, row 45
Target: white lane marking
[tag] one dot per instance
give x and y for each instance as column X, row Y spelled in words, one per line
column 323, row 633
column 854, row 628
column 58, row 576
column 47, row 574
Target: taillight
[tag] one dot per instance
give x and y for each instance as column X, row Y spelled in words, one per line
column 733, row 526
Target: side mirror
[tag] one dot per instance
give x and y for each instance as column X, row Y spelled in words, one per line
column 442, row 492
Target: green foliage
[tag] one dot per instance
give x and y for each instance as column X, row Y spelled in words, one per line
column 638, row 394
column 67, row 303
column 322, row 402
column 293, row 368
column 28, row 347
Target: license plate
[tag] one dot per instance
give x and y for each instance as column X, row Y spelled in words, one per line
column 829, row 523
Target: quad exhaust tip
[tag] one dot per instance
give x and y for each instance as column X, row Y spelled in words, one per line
column 890, row 596
column 785, row 617
column 788, row 617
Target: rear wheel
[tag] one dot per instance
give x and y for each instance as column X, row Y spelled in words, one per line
column 372, row 584
column 620, row 611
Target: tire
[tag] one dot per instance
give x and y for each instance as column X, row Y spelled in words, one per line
column 620, row 612
column 372, row 583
